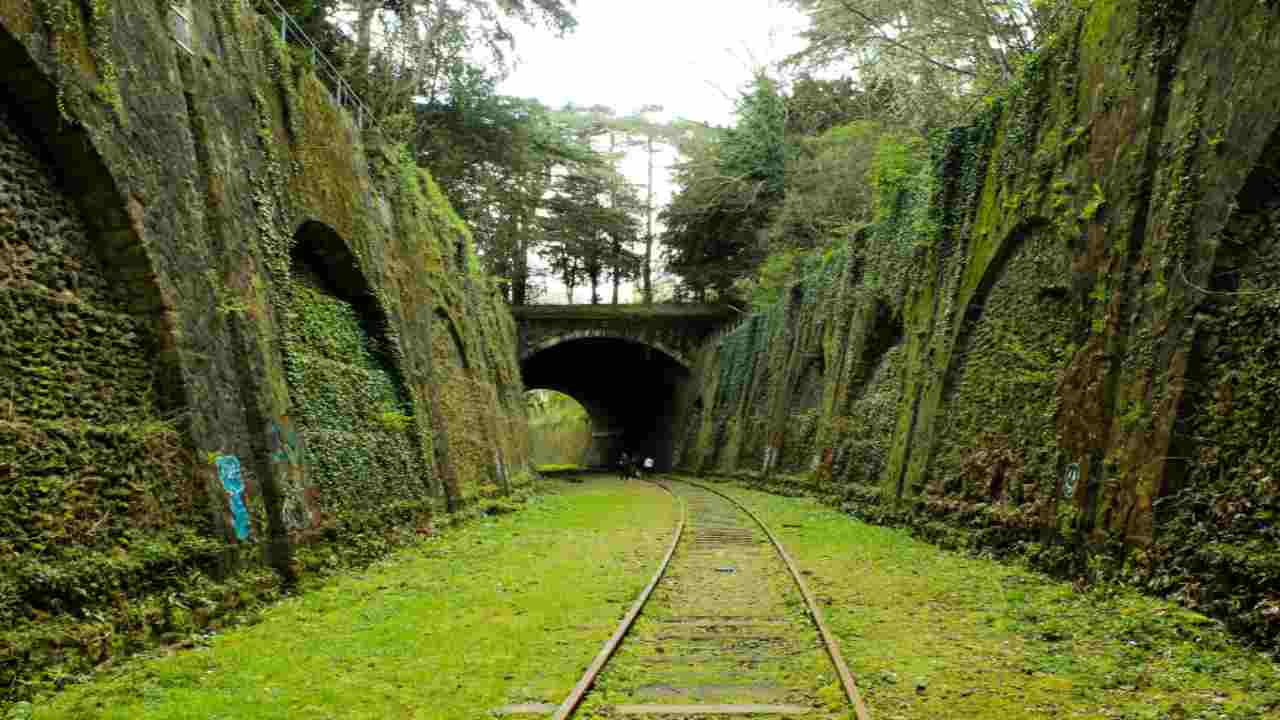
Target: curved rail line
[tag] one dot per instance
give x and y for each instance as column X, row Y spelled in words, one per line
column 580, row 690
column 571, row 703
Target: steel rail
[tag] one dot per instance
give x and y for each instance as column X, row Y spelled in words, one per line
column 833, row 648
column 571, row 702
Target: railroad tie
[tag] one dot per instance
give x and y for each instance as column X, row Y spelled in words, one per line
column 711, row 710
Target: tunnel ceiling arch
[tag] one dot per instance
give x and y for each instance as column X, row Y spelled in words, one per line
column 629, row 388
column 607, row 335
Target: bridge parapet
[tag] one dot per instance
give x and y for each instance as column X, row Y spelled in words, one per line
column 677, row 330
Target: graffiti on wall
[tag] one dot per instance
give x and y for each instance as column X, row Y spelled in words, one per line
column 1069, row 482
column 299, row 511
column 233, row 484
column 286, row 446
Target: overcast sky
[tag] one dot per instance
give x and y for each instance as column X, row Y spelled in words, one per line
column 630, row 54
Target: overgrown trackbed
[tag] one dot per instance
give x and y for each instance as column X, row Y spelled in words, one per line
column 726, row 632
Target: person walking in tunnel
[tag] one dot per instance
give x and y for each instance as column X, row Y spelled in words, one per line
column 624, row 465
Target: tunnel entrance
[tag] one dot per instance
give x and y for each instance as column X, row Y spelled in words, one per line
column 628, row 388
column 559, row 430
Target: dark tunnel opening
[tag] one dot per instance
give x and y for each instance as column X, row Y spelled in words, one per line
column 628, row 388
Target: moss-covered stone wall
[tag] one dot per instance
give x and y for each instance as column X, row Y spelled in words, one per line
column 1059, row 337
column 221, row 303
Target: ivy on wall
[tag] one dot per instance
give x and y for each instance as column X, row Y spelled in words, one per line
column 350, row 404
column 98, row 502
column 117, row 533
column 1031, row 350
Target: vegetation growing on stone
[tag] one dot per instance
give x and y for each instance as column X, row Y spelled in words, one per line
column 184, row 406
column 1037, row 344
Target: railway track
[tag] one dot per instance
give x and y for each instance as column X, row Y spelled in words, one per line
column 725, row 629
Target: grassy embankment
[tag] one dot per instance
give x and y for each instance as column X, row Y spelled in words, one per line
column 934, row 634
column 510, row 609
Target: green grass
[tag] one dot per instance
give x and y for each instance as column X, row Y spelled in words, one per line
column 512, row 610
column 505, row 610
column 560, row 467
column 935, row 634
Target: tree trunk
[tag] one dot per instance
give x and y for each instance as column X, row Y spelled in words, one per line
column 520, row 273
column 648, row 236
column 613, row 204
column 365, row 10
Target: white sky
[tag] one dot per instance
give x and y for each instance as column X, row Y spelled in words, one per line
column 689, row 56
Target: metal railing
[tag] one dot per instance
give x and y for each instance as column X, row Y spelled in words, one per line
column 344, row 94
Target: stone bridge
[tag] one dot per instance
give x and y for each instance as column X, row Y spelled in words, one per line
column 626, row 364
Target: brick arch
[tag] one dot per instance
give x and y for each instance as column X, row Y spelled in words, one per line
column 112, row 218
column 95, row 437
column 638, row 339
column 319, row 250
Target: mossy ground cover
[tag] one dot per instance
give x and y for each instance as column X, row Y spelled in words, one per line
column 726, row 625
column 931, row 633
column 509, row 609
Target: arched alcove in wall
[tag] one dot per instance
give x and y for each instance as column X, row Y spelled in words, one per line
column 350, row 404
column 91, row 395
column 1008, row 352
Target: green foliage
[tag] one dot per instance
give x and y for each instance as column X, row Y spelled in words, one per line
column 767, row 286
column 755, row 149
column 728, row 185
column 73, row 360
column 82, row 42
column 554, row 408
column 758, row 186
column 1096, row 202
column 589, row 223
column 473, row 583
column 512, row 168
column 830, row 185
column 351, row 406
column 394, row 421
column 895, row 170
column 937, row 56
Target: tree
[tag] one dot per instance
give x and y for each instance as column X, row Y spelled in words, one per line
column 586, row 236
column 728, row 184
column 621, row 133
column 638, row 125
column 399, row 53
column 936, row 55
column 814, row 105
column 493, row 157
column 829, row 192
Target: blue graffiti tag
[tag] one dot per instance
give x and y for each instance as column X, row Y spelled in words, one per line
column 229, row 474
column 1069, row 482
column 284, row 443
